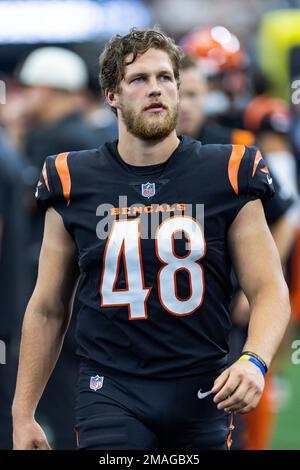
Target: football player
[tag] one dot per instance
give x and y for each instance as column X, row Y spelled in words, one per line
column 152, row 222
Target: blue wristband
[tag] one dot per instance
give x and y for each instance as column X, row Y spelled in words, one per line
column 245, row 357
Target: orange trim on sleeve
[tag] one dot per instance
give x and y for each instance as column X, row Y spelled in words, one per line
column 235, row 159
column 45, row 176
column 61, row 165
column 257, row 159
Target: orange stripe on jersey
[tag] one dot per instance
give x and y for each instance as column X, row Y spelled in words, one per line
column 235, row 159
column 242, row 137
column 45, row 176
column 62, row 169
column 257, row 159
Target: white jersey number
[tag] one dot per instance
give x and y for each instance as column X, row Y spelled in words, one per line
column 125, row 242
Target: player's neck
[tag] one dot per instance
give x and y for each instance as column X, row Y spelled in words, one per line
column 135, row 151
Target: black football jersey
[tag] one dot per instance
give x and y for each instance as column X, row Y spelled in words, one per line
column 155, row 286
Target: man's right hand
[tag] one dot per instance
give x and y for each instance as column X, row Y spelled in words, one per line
column 28, row 435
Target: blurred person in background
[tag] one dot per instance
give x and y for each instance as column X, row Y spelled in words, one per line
column 270, row 119
column 225, row 63
column 192, row 120
column 99, row 116
column 12, row 229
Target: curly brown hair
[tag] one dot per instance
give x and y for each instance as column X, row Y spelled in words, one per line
column 136, row 42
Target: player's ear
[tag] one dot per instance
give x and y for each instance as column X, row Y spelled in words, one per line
column 112, row 98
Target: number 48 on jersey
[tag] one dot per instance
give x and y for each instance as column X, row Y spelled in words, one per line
column 125, row 241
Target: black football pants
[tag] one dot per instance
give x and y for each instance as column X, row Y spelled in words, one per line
column 129, row 413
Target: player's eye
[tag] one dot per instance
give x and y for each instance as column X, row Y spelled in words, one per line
column 165, row 77
column 137, row 79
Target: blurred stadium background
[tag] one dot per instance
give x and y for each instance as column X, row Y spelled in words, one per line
column 251, row 49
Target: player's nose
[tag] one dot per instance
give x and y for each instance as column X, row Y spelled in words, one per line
column 154, row 88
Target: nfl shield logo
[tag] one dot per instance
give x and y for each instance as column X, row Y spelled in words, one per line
column 96, row 382
column 148, row 190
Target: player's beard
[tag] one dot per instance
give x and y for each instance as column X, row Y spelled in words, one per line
column 150, row 127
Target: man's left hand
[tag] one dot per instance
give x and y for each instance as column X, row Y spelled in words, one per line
column 239, row 388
